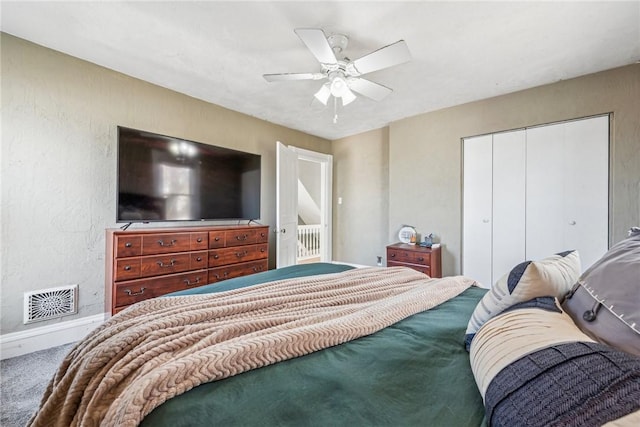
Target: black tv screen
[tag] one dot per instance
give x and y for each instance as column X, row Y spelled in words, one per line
column 161, row 178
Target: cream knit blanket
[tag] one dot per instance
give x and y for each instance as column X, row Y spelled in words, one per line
column 163, row 347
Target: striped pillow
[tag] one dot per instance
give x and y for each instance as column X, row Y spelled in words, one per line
column 552, row 276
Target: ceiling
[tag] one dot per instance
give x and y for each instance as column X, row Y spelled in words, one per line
column 218, row 51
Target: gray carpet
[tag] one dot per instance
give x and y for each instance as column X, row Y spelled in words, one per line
column 23, row 380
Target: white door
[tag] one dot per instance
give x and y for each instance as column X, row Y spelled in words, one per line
column 545, row 191
column 286, row 206
column 477, row 209
column 587, row 177
column 567, row 189
column 508, row 219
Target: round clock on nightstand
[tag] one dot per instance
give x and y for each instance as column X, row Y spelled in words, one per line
column 407, row 234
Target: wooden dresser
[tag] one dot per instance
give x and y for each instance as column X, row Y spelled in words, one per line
column 426, row 260
column 147, row 263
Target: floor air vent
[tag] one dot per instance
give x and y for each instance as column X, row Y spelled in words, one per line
column 50, row 303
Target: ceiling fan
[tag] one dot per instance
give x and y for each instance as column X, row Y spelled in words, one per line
column 343, row 74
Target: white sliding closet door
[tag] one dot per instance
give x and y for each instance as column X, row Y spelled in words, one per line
column 509, row 190
column 477, row 208
column 568, row 189
column 545, row 191
column 530, row 193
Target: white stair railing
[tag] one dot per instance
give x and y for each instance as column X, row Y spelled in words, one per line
column 308, row 241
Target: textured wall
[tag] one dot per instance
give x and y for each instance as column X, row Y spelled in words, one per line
column 360, row 178
column 58, row 175
column 425, row 174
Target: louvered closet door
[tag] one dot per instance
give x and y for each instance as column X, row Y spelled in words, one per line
column 477, row 208
column 567, row 189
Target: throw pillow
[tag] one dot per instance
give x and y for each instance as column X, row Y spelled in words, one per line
column 605, row 302
column 552, row 276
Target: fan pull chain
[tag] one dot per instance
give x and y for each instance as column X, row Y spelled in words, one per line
column 335, row 110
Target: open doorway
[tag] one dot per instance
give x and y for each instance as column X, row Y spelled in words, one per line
column 308, row 177
column 309, row 212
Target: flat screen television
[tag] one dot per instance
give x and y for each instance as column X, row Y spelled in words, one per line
column 161, row 178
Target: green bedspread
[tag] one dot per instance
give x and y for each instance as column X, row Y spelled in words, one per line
column 414, row 373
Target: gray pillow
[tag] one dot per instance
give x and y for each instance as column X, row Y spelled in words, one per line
column 605, row 302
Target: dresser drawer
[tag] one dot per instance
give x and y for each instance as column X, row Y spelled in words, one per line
column 235, row 255
column 421, row 268
column 133, row 291
column 216, row 239
column 126, row 246
column 245, row 237
column 237, row 270
column 173, row 263
column 138, row 267
column 127, row 268
column 408, row 256
column 166, row 243
column 199, row 241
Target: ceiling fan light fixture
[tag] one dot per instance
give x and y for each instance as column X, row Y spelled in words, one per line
column 338, row 86
column 323, row 94
column 348, row 97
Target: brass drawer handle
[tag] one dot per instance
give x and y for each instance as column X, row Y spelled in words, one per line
column 128, row 245
column 216, row 256
column 127, row 267
column 393, row 255
column 190, row 283
column 223, row 276
column 162, row 243
column 199, row 259
column 241, row 254
column 199, row 240
column 131, row 293
column 217, row 239
column 244, row 237
column 163, row 265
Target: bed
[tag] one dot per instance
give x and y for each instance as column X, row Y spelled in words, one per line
column 327, row 344
column 412, row 372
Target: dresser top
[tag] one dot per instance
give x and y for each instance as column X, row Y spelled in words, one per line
column 408, row 247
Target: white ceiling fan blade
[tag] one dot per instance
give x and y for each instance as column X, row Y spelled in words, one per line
column 388, row 56
column 369, row 89
column 292, row 76
column 316, row 42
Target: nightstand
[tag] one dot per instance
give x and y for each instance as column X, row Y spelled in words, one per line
column 425, row 260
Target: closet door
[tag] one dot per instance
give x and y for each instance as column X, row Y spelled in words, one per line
column 508, row 223
column 567, row 189
column 477, row 208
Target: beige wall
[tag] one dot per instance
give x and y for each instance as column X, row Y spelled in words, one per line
column 425, row 151
column 360, row 166
column 58, row 175
column 59, row 118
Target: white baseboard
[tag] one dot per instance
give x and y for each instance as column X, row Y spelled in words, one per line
column 351, row 264
column 23, row 342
